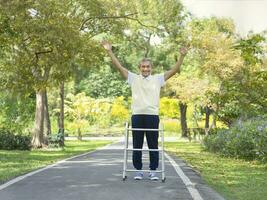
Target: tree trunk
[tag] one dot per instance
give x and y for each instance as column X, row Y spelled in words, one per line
column 61, row 114
column 47, row 123
column 38, row 132
column 195, row 116
column 207, row 119
column 79, row 134
column 183, row 108
column 58, row 120
column 214, row 117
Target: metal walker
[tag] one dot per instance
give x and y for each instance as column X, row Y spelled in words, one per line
column 126, row 149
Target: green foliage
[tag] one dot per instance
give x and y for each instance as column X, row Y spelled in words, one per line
column 202, row 32
column 213, row 44
column 119, row 111
column 49, row 41
column 245, row 94
column 45, row 42
column 169, row 108
column 78, row 107
column 16, row 112
column 252, row 48
column 234, row 64
column 83, row 111
column 11, row 141
column 104, row 83
column 246, row 140
column 150, row 19
column 187, row 87
column 56, row 140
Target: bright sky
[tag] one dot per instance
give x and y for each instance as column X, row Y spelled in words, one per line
column 247, row 14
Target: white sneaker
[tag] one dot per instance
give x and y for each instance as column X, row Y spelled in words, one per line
column 139, row 176
column 153, row 176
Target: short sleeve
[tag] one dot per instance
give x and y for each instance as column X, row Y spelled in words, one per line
column 130, row 77
column 161, row 79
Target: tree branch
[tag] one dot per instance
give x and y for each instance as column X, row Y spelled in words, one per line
column 104, row 17
column 36, row 73
column 42, row 52
column 128, row 16
column 139, row 22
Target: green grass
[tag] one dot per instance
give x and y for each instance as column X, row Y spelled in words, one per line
column 15, row 163
column 234, row 179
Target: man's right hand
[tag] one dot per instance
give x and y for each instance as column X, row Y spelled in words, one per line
column 106, row 45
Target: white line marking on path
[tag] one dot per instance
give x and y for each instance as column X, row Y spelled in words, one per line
column 189, row 185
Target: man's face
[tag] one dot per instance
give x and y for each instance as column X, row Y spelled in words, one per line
column 145, row 68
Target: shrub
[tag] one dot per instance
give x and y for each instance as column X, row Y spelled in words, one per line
column 119, row 111
column 169, row 108
column 11, row 141
column 247, row 140
column 56, row 140
column 215, row 142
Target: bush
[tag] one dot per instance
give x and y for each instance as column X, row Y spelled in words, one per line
column 119, row 111
column 56, row 140
column 247, row 140
column 169, row 108
column 11, row 141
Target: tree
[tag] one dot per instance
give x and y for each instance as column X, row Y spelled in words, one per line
column 16, row 112
column 187, row 88
column 46, row 43
column 110, row 81
column 213, row 40
column 244, row 95
column 78, row 108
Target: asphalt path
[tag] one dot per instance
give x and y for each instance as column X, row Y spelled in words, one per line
column 98, row 176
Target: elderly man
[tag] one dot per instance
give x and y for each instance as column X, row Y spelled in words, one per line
column 145, row 106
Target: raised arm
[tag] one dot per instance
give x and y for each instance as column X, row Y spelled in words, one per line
column 115, row 61
column 177, row 66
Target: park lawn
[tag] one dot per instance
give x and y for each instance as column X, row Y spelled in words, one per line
column 15, row 163
column 234, row 179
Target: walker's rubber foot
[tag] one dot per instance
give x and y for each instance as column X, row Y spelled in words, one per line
column 163, row 180
column 124, row 178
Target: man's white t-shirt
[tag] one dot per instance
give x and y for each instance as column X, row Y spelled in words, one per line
column 145, row 93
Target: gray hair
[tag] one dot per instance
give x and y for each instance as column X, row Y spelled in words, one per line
column 146, row 60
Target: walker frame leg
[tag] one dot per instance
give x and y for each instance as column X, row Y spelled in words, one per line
column 163, row 178
column 126, row 149
column 125, row 152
